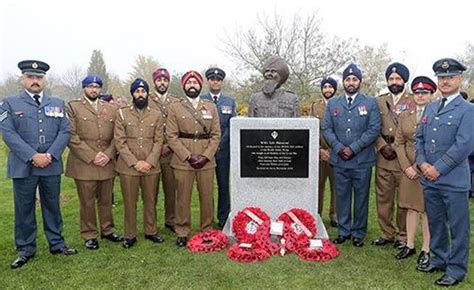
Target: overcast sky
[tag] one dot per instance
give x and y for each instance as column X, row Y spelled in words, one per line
column 183, row 35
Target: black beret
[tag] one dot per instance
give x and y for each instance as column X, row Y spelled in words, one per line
column 33, row 67
column 215, row 72
column 448, row 67
column 399, row 69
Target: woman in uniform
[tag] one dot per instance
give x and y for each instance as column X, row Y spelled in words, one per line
column 411, row 192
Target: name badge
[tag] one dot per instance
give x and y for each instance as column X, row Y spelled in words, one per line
column 206, row 114
column 52, row 111
column 226, row 110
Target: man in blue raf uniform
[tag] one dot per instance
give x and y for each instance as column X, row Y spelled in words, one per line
column 444, row 141
column 36, row 130
column 351, row 125
column 227, row 109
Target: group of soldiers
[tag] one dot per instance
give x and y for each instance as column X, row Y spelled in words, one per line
column 419, row 145
column 158, row 136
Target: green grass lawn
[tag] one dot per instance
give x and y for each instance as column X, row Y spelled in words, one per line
column 165, row 266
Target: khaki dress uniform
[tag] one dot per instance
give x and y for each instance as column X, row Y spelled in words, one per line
column 138, row 137
column 318, row 109
column 411, row 191
column 167, row 174
column 388, row 172
column 92, row 131
column 196, row 131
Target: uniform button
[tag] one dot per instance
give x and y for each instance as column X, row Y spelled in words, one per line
column 195, row 122
column 433, row 141
column 141, row 129
column 100, row 125
column 195, row 113
column 390, row 129
column 196, row 132
column 39, row 111
column 434, row 129
column 436, row 118
column 350, row 112
column 41, row 121
column 41, row 130
column 348, row 120
column 141, row 121
column 141, row 146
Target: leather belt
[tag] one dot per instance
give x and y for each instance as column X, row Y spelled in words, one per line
column 388, row 138
column 194, row 136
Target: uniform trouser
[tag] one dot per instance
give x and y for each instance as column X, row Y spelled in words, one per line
column 130, row 186
column 449, row 223
column 326, row 171
column 352, row 184
column 223, row 200
column 89, row 191
column 184, row 185
column 24, row 192
column 169, row 190
column 386, row 188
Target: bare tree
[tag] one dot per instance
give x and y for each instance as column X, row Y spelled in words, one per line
column 467, row 58
column 373, row 62
column 72, row 82
column 10, row 86
column 311, row 54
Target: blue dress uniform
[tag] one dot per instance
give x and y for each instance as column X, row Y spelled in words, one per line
column 226, row 108
column 29, row 128
column 444, row 139
column 357, row 126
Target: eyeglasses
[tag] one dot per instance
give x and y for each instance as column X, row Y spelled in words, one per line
column 91, row 86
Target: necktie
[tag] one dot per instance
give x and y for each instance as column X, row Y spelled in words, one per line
column 215, row 99
column 441, row 106
column 419, row 114
column 349, row 102
column 37, row 99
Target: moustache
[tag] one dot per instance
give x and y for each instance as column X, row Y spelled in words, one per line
column 35, row 84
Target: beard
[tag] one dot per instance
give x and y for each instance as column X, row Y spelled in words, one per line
column 192, row 92
column 140, row 103
column 396, row 89
column 351, row 89
column 91, row 97
column 161, row 89
column 270, row 86
column 328, row 95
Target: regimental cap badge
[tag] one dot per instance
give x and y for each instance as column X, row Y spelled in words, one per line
column 34, row 65
column 350, row 71
column 394, row 69
column 274, row 134
column 216, row 72
column 141, row 84
column 95, row 80
column 419, row 85
column 445, row 64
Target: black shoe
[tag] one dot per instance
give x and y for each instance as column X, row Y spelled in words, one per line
column 128, row 243
column 20, row 261
column 447, row 281
column 334, row 224
column 357, row 242
column 423, row 258
column 428, row 268
column 91, row 244
column 381, row 242
column 399, row 245
column 170, row 228
column 113, row 237
column 182, row 241
column 64, row 251
column 405, row 253
column 341, row 239
column 155, row 238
